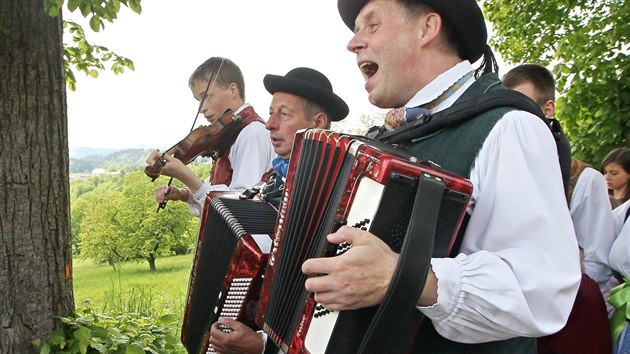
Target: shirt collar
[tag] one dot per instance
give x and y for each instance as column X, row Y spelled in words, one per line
column 242, row 107
column 441, row 84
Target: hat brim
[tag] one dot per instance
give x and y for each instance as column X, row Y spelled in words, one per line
column 349, row 10
column 333, row 104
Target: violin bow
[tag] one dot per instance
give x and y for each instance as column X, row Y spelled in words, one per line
column 210, row 85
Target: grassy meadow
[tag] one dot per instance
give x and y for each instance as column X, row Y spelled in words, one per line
column 132, row 287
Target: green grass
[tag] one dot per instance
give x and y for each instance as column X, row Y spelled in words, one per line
column 132, row 287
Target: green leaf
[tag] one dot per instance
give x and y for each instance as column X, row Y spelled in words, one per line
column 57, row 337
column 135, row 6
column 95, row 23
column 99, row 332
column 73, row 5
column 167, row 319
column 83, row 346
column 134, row 349
column 45, row 349
column 86, row 8
column 53, row 10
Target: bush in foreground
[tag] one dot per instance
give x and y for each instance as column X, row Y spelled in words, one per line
column 90, row 332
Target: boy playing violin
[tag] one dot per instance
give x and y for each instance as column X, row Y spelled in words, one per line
column 219, row 86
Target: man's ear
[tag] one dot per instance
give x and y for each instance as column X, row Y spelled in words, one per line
column 549, row 108
column 431, row 25
column 321, row 120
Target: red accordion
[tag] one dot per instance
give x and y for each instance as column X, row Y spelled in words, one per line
column 231, row 253
column 336, row 180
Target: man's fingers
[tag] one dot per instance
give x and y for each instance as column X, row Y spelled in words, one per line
column 351, row 235
column 315, row 266
column 319, row 284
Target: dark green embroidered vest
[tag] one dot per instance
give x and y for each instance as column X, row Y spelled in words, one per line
column 455, row 149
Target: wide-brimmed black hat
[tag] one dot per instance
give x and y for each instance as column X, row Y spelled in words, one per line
column 464, row 16
column 312, row 85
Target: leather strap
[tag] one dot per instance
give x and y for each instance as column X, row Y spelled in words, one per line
column 397, row 319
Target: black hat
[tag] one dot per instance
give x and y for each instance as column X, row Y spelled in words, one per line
column 464, row 16
column 312, row 85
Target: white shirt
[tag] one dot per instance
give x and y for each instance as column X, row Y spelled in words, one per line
column 250, row 157
column 619, row 257
column 592, row 219
column 519, row 269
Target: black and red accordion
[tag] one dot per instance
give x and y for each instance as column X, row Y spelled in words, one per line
column 232, row 249
column 411, row 204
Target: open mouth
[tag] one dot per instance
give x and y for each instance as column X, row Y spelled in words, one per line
column 369, row 69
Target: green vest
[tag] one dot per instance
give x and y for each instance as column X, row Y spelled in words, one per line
column 455, row 149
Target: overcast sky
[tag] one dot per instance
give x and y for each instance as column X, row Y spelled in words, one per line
column 153, row 107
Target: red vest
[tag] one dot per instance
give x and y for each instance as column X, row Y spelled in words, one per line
column 221, row 172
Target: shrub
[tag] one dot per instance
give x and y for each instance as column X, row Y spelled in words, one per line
column 90, row 332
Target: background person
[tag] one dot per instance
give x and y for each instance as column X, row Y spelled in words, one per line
column 616, row 170
column 588, row 196
column 587, row 329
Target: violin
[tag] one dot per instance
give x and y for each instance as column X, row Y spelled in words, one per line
column 204, row 141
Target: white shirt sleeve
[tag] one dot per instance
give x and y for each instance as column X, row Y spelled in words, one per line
column 619, row 214
column 250, row 157
column 519, row 269
column 592, row 218
column 620, row 251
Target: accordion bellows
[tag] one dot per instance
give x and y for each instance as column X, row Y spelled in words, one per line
column 232, row 248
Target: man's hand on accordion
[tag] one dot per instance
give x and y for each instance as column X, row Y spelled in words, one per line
column 241, row 340
column 355, row 279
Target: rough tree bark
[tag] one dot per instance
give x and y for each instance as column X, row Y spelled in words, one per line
column 35, row 239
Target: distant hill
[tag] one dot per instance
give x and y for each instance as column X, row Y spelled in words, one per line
column 113, row 160
column 80, row 152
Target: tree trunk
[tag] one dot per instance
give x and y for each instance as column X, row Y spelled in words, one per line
column 111, row 262
column 151, row 260
column 35, row 238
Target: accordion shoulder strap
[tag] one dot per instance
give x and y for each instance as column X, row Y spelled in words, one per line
column 396, row 320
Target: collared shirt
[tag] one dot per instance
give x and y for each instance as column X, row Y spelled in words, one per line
column 519, row 269
column 592, row 218
column 620, row 251
column 250, row 157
